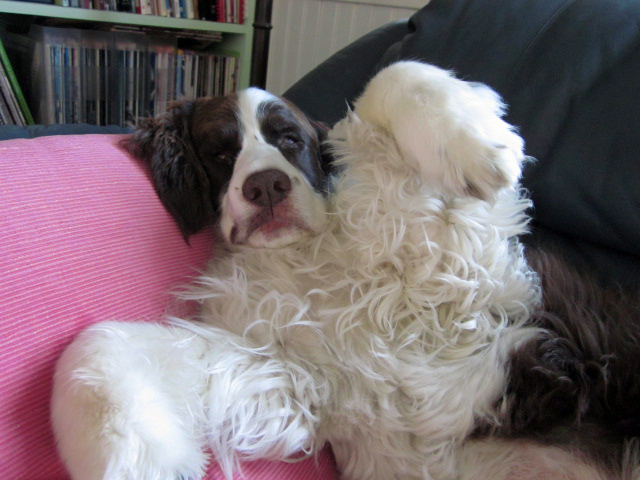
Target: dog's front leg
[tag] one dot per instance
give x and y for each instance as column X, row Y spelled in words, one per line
column 449, row 130
column 260, row 403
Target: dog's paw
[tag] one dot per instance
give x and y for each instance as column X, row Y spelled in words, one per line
column 450, row 130
column 111, row 415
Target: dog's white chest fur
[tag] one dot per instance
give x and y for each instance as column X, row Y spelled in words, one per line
column 385, row 334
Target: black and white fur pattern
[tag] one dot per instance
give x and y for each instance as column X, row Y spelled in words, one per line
column 253, row 159
column 392, row 314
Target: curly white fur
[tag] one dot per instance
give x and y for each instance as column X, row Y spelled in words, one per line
column 385, row 335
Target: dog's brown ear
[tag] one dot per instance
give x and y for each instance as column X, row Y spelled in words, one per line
column 326, row 155
column 164, row 143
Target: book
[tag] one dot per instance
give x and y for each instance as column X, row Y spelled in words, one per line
column 5, row 113
column 145, row 7
column 189, row 11
column 221, row 11
column 13, row 95
column 9, row 98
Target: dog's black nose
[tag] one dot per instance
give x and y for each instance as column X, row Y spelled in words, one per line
column 266, row 188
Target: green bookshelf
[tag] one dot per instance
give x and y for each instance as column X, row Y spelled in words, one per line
column 235, row 38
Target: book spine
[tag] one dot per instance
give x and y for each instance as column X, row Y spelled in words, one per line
column 9, row 100
column 67, row 85
column 15, row 85
column 5, row 116
column 220, row 14
column 189, row 12
column 179, row 74
column 146, row 7
column 56, row 74
column 46, row 106
column 195, row 8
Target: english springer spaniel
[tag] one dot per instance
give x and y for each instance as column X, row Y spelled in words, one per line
column 372, row 293
column 252, row 159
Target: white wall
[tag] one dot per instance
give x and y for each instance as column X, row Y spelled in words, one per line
column 307, row 32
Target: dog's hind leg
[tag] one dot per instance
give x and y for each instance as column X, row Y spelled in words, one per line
column 126, row 403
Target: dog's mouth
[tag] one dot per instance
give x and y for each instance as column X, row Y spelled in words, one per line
column 270, row 227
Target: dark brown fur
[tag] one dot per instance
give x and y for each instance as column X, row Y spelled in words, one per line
column 190, row 150
column 578, row 383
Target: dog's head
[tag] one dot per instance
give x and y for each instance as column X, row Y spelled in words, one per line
column 251, row 161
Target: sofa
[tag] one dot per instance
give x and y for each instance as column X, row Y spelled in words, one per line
column 83, row 237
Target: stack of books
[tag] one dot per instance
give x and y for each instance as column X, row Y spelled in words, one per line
column 230, row 11
column 13, row 106
column 115, row 78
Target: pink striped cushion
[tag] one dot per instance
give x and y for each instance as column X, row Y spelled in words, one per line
column 83, row 238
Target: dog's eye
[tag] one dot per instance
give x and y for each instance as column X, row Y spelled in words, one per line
column 224, row 158
column 289, row 139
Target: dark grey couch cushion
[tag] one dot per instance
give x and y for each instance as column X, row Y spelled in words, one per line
column 570, row 73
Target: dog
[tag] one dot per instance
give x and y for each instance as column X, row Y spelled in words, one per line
column 370, row 291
